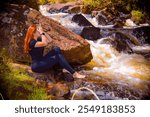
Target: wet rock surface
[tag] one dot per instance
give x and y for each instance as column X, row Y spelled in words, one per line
column 142, row 34
column 59, row 7
column 91, row 33
column 81, row 20
column 71, row 7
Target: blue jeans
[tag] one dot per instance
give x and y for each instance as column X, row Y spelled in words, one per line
column 49, row 60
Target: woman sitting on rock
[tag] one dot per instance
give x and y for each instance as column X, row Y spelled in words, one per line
column 34, row 44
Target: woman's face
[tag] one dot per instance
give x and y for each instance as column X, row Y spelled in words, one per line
column 36, row 34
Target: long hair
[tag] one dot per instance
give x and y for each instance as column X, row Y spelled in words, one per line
column 29, row 35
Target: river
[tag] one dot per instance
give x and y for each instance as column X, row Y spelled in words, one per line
column 111, row 74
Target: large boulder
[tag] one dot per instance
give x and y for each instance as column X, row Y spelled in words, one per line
column 101, row 19
column 81, row 20
column 91, row 33
column 142, row 34
column 122, row 43
column 108, row 17
column 14, row 23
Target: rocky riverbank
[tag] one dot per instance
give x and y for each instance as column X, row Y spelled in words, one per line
column 119, row 48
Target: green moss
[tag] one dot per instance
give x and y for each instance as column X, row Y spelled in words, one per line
column 38, row 94
column 18, row 85
column 92, row 3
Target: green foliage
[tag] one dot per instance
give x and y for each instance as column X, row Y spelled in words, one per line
column 18, row 85
column 137, row 16
column 59, row 1
column 4, row 55
column 92, row 3
column 89, row 5
column 41, row 2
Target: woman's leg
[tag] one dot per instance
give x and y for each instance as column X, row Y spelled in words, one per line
column 62, row 61
column 55, row 56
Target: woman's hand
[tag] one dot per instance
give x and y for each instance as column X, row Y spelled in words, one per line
column 39, row 29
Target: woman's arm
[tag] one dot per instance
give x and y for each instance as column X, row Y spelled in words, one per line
column 45, row 39
column 49, row 39
column 43, row 42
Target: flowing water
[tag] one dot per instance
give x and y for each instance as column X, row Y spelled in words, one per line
column 111, row 74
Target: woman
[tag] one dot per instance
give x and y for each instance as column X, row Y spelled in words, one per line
column 34, row 44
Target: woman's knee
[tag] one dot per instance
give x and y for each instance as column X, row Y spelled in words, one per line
column 57, row 50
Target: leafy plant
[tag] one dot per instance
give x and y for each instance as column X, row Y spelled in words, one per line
column 59, row 1
column 137, row 16
column 41, row 2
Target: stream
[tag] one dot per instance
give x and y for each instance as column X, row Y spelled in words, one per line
column 111, row 74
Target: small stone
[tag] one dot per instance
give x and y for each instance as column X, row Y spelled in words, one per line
column 58, row 89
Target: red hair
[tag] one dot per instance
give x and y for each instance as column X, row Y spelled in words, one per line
column 29, row 35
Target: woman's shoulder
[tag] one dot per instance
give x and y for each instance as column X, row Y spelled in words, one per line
column 32, row 43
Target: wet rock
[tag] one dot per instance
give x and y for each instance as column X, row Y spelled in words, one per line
column 120, row 20
column 108, row 14
column 75, row 9
column 58, row 89
column 67, row 76
column 142, row 34
column 81, row 20
column 108, row 17
column 59, row 7
column 70, row 7
column 91, row 33
column 122, row 43
column 102, row 19
column 15, row 21
column 119, row 24
column 94, row 13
